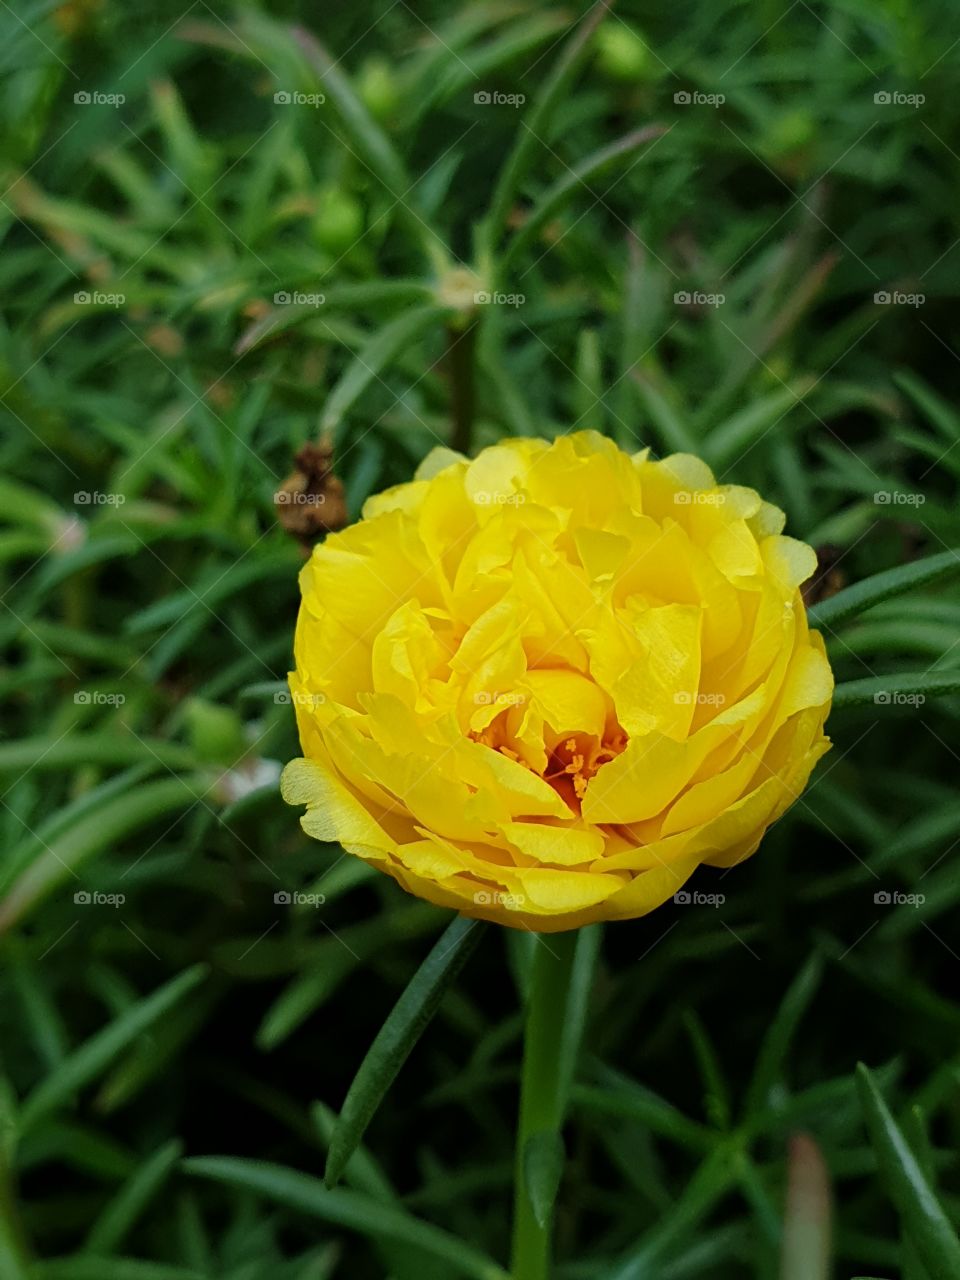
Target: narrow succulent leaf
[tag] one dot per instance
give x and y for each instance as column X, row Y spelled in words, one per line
column 924, row 1219
column 885, row 690
column 95, row 1055
column 881, row 586
column 344, row 1208
column 403, row 1028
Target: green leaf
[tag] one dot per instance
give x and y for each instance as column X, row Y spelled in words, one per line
column 362, row 1171
column 733, row 438
column 350, row 1209
column 403, row 1028
column 586, row 951
column 716, row 1091
column 939, row 412
column 13, row 1246
column 881, row 586
column 573, row 181
column 777, row 1041
column 884, row 690
column 368, row 141
column 618, row 1096
column 95, row 1054
column 89, row 1267
column 368, row 362
column 118, row 1219
column 542, row 1170
column 708, row 1185
column 926, row 1224
column 805, row 1252
column 674, row 430
column 113, row 748
column 536, row 121
column 97, row 830
column 375, row 294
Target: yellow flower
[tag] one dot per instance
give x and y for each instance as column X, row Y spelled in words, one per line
column 541, row 687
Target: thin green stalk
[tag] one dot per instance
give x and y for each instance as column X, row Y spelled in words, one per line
column 461, row 345
column 14, row 1251
column 541, row 1094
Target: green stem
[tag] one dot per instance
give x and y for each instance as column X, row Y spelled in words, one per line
column 460, row 356
column 542, row 1088
column 14, row 1251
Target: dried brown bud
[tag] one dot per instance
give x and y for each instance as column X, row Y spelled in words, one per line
column 828, row 579
column 310, row 501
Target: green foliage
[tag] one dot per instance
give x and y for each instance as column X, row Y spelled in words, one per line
column 273, row 235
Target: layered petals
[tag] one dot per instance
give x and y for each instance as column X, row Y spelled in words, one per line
column 543, row 686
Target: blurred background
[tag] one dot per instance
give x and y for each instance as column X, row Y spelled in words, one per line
column 229, row 232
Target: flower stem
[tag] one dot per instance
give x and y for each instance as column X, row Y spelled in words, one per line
column 461, row 343
column 542, row 1090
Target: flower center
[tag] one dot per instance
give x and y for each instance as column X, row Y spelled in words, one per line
column 571, row 762
column 575, row 760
